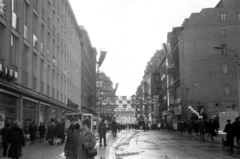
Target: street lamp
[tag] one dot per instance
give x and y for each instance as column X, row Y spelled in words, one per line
column 238, row 82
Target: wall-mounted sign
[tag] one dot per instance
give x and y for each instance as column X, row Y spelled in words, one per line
column 8, row 73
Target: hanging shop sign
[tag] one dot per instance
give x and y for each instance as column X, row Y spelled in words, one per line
column 8, row 73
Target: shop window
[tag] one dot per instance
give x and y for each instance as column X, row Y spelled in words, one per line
column 29, row 114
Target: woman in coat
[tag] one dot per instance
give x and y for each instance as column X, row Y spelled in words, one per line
column 86, row 141
column 16, row 139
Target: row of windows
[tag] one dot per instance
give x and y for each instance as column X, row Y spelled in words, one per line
column 224, row 16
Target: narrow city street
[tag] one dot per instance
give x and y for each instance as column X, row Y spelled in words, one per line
column 45, row 151
column 155, row 144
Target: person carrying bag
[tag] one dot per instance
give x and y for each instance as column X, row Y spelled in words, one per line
column 86, row 143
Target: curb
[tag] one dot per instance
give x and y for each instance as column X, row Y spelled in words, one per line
column 112, row 154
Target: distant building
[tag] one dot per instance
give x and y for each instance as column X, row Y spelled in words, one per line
column 124, row 112
column 205, row 79
column 105, row 97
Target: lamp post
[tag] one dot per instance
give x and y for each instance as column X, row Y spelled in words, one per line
column 238, row 82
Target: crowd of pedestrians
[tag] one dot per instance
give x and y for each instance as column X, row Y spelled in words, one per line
column 202, row 128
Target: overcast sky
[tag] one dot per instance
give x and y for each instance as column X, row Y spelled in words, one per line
column 132, row 31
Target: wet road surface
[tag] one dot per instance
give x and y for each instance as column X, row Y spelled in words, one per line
column 156, row 144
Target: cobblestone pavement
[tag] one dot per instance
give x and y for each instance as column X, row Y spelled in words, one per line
column 156, row 144
column 45, row 151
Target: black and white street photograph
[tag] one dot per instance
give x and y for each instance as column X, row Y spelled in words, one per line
column 120, row 79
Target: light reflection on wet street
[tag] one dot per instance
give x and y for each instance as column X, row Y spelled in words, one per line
column 169, row 145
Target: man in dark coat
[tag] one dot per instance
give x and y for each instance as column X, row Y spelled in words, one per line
column 16, row 139
column 236, row 127
column 4, row 133
column 32, row 131
column 211, row 129
column 51, row 132
column 114, row 128
column 60, row 133
column 41, row 130
column 230, row 134
column 71, row 144
column 102, row 129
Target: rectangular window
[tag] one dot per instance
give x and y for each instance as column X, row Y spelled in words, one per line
column 34, row 24
column 223, row 17
column 48, row 75
column 42, row 70
column 225, row 67
column 227, row 89
column 14, row 6
column 223, row 30
column 26, row 11
column 25, row 58
column 13, row 52
column 34, row 64
column 224, row 51
column 1, row 40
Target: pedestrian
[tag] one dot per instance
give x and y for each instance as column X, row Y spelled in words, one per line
column 51, row 132
column 5, row 143
column 236, row 126
column 211, row 129
column 16, row 140
column 60, row 133
column 196, row 127
column 71, row 144
column 230, row 134
column 102, row 132
column 32, row 132
column 87, row 141
column 114, row 128
column 202, row 129
column 41, row 130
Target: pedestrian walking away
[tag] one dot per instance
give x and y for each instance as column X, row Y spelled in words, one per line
column 16, row 139
column 60, row 133
column 41, row 130
column 73, row 133
column 5, row 143
column 87, row 141
column 114, row 128
column 230, row 134
column 51, row 132
column 102, row 129
column 32, row 131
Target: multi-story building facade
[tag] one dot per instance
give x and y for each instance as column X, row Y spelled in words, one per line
column 105, row 96
column 124, row 111
column 40, row 61
column 88, row 73
column 204, row 78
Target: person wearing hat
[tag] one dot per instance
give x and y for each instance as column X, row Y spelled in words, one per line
column 87, row 141
column 71, row 144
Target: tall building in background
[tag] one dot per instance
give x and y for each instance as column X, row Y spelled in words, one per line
column 40, row 61
column 105, row 94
